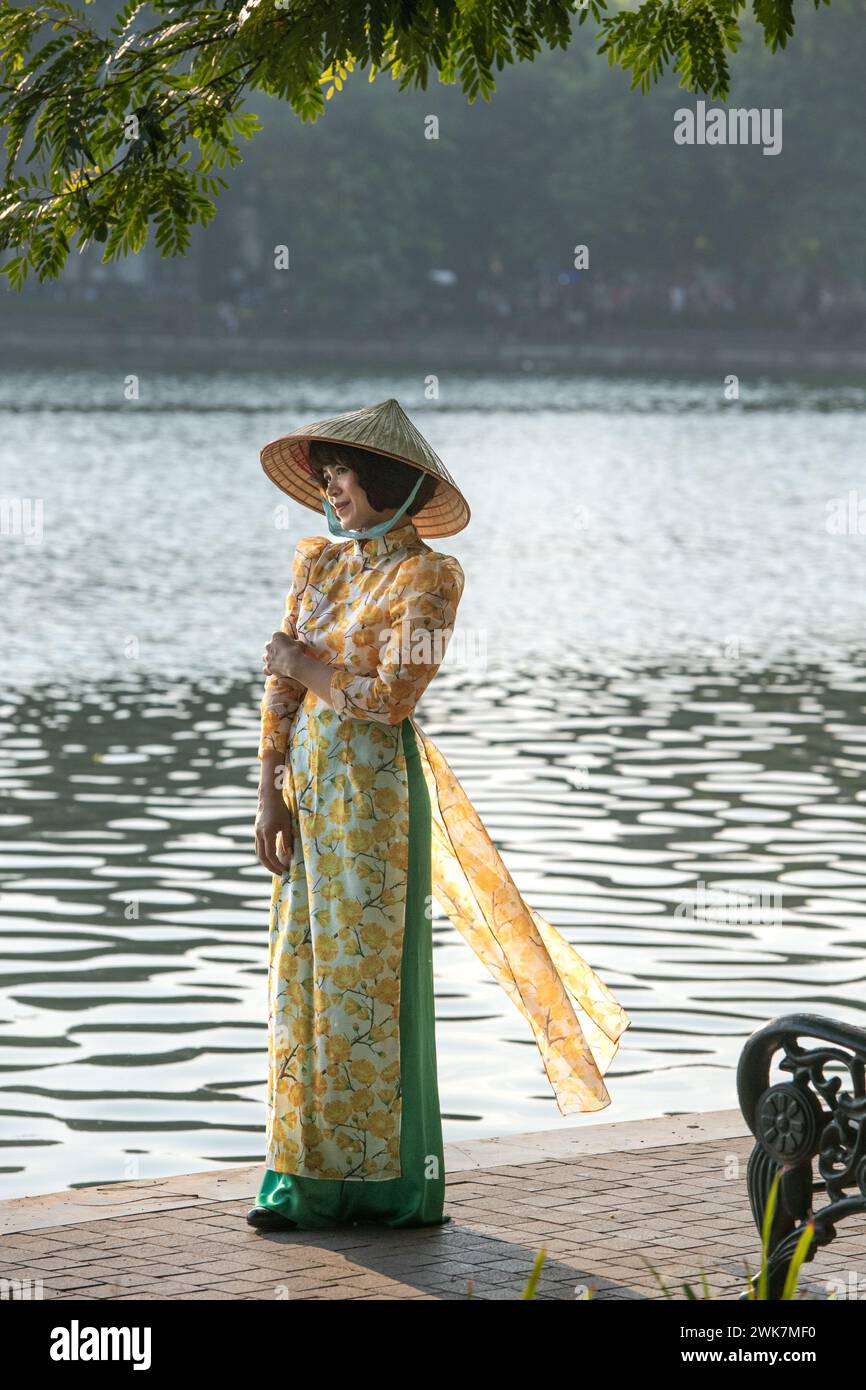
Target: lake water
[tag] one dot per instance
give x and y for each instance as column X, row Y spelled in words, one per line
column 654, row 698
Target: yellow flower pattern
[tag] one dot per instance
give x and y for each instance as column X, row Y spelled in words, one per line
column 381, row 611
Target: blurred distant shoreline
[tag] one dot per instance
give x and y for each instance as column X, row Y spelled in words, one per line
column 680, row 348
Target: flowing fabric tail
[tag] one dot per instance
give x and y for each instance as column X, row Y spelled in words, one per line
column 547, row 979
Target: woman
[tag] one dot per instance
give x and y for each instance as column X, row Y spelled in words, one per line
column 361, row 822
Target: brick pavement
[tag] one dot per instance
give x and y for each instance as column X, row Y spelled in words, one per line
column 600, row 1199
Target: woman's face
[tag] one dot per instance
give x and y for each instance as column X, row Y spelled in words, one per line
column 348, row 498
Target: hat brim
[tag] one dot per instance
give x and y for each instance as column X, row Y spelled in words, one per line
column 286, row 461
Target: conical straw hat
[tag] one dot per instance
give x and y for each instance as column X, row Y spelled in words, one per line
column 385, row 429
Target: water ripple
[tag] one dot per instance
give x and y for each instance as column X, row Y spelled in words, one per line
column 701, row 839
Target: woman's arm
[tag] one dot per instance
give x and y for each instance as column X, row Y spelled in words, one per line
column 279, row 703
column 282, row 694
column 287, row 658
column 422, row 613
column 273, row 816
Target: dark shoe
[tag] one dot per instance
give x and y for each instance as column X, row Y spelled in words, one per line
column 266, row 1220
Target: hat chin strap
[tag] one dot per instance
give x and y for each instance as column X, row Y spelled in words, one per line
column 381, row 526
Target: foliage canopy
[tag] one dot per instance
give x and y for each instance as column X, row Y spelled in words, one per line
column 108, row 133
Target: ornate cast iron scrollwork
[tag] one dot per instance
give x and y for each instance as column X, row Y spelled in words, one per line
column 811, row 1116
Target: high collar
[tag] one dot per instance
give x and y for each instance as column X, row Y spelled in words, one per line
column 403, row 534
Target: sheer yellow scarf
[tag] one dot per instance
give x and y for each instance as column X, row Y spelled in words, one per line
column 576, row 1021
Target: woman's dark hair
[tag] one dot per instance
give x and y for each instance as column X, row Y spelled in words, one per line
column 386, row 482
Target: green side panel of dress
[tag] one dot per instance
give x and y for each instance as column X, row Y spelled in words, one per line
column 417, row 1197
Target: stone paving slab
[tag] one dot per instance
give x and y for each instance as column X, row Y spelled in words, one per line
column 600, row 1199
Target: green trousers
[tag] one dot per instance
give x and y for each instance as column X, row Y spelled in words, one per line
column 417, row 1197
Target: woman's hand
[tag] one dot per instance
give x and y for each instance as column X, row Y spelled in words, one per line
column 282, row 655
column 274, row 818
column 285, row 655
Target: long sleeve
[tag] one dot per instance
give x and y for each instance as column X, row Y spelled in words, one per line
column 422, row 610
column 282, row 694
